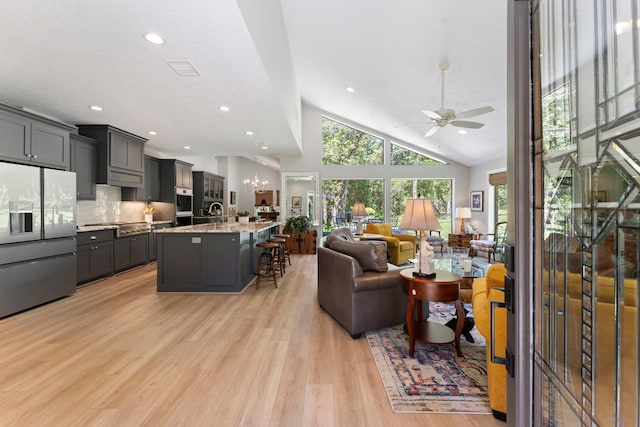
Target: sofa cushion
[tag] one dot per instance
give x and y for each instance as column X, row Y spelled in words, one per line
column 371, row 255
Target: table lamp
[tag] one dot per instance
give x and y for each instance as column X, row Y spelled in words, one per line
column 420, row 216
column 359, row 212
column 463, row 213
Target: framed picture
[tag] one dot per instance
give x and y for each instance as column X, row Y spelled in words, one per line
column 296, row 202
column 477, row 200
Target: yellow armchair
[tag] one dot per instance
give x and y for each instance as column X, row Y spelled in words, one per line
column 401, row 247
column 484, row 291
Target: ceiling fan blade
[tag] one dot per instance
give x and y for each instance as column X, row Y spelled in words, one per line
column 474, row 112
column 466, row 124
column 431, row 131
column 432, row 114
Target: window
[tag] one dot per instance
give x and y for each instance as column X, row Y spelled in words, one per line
column 341, row 194
column 344, row 145
column 401, row 156
column 499, row 182
column 437, row 190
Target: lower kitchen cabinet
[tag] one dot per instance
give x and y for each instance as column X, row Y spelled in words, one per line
column 131, row 251
column 94, row 255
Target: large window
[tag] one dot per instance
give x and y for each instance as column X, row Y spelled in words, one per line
column 344, row 145
column 401, row 156
column 437, row 190
column 341, row 194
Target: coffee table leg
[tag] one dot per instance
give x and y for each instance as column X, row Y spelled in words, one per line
column 459, row 325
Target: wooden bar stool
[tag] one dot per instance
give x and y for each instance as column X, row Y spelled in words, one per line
column 279, row 261
column 266, row 263
column 286, row 255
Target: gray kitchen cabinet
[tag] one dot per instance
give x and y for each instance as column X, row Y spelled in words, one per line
column 173, row 173
column 151, row 190
column 31, row 139
column 120, row 155
column 84, row 161
column 94, row 255
column 130, row 251
column 207, row 188
column 153, row 240
column 183, row 174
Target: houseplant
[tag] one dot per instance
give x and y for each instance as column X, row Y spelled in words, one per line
column 243, row 217
column 303, row 238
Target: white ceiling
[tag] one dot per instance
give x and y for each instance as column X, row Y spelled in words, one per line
column 262, row 58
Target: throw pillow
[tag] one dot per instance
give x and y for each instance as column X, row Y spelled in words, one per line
column 372, row 256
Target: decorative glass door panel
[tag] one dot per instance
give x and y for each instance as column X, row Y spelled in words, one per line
column 586, row 72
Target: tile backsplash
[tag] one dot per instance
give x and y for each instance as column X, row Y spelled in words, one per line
column 108, row 207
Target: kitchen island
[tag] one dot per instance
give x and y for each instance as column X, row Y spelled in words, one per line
column 210, row 257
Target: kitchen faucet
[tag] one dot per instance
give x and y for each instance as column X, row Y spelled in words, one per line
column 215, row 208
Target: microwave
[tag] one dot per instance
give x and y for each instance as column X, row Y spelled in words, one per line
column 184, row 202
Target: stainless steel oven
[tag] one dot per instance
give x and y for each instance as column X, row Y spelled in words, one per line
column 184, row 202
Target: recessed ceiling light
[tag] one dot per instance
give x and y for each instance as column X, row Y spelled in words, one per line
column 95, row 107
column 248, row 132
column 264, row 147
column 186, row 147
column 350, row 89
column 154, row 38
column 462, row 132
column 152, row 132
column 224, row 108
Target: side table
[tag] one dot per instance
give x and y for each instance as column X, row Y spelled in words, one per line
column 445, row 287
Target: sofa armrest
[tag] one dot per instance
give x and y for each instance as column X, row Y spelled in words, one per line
column 392, row 242
column 406, row 237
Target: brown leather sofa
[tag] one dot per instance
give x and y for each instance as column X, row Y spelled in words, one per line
column 359, row 300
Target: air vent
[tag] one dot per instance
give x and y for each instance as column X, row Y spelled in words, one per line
column 183, row 68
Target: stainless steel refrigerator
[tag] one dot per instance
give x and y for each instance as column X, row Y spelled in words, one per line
column 37, row 236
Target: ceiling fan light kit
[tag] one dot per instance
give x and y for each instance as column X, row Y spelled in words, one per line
column 447, row 116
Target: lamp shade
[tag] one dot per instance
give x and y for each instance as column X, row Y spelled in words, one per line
column 419, row 215
column 464, row 213
column 359, row 210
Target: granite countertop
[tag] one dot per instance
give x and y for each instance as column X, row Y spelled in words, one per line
column 83, row 228
column 233, row 227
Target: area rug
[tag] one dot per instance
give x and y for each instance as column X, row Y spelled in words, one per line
column 434, row 379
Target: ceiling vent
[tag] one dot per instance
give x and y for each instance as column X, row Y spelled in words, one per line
column 183, row 68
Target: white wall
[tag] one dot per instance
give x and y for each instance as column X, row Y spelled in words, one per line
column 479, row 179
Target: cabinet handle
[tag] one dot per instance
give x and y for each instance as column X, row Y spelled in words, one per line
column 94, row 237
column 35, row 156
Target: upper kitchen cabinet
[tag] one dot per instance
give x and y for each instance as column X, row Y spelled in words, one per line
column 31, row 139
column 120, row 155
column 84, row 162
column 173, row 174
column 207, row 188
column 151, row 190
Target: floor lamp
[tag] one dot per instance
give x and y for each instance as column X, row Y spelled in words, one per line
column 420, row 216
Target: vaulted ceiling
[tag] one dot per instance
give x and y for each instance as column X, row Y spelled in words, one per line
column 262, row 59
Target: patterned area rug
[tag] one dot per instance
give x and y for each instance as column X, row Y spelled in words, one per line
column 435, row 379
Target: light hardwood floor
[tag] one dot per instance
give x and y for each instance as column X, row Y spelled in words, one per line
column 117, row 353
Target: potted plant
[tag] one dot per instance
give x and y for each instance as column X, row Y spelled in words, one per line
column 243, row 217
column 299, row 227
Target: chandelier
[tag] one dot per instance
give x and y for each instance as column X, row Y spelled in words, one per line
column 255, row 185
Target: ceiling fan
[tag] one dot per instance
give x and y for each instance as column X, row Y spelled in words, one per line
column 446, row 116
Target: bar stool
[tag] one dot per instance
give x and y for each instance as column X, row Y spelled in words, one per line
column 266, row 264
column 285, row 247
column 279, row 261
